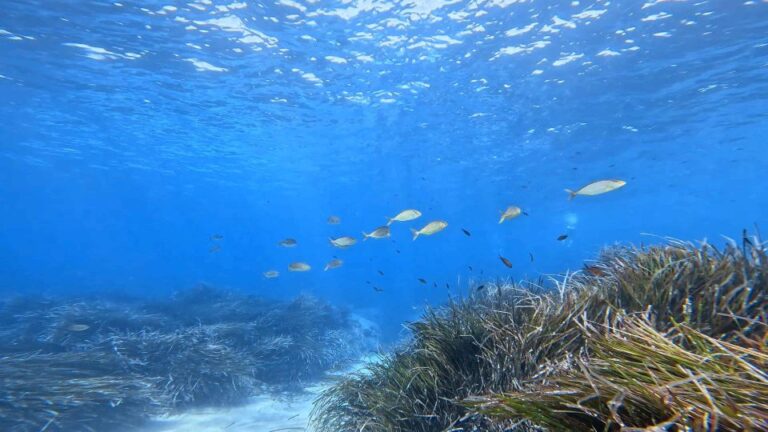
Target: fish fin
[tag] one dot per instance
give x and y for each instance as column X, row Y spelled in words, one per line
column 326, row 268
column 502, row 219
column 415, row 233
column 571, row 194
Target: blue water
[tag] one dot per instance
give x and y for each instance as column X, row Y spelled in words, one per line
column 133, row 131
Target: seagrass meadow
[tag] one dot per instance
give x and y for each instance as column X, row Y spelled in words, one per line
column 659, row 338
column 113, row 364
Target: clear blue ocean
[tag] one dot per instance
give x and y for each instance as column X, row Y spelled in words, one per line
column 149, row 147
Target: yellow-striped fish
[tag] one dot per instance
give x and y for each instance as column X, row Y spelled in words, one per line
column 299, row 267
column 597, row 188
column 332, row 264
column 343, row 242
column 379, row 233
column 404, row 216
column 430, row 228
column 510, row 213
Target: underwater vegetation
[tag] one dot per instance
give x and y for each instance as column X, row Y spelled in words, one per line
column 669, row 337
column 99, row 364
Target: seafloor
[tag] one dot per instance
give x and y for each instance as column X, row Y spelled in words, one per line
column 110, row 363
column 662, row 338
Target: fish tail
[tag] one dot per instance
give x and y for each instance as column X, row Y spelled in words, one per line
column 326, row 268
column 389, row 221
column 571, row 194
column 365, row 236
column 415, row 233
column 501, row 220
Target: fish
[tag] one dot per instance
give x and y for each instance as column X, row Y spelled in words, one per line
column 377, row 289
column 271, row 274
column 332, row 264
column 381, row 272
column 596, row 188
column 506, row 262
column 299, row 267
column 343, row 242
column 217, row 237
column 469, row 234
column 289, row 242
column 379, row 233
column 78, row 327
column 480, row 288
column 434, row 284
column 470, row 268
column 215, row 248
column 397, row 250
column 334, row 220
column 510, row 213
column 404, row 216
column 447, row 286
column 430, row 228
column 531, row 255
column 594, row 270
column 562, row 237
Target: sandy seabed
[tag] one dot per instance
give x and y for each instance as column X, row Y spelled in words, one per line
column 264, row 413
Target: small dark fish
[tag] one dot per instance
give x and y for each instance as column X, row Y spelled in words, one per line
column 217, row 237
column 531, row 255
column 397, row 250
column 215, row 248
column 381, row 272
column 480, row 288
column 377, row 289
column 422, row 280
column 470, row 268
column 434, row 284
column 562, row 237
column 506, row 262
column 467, row 232
column 368, row 282
column 525, row 214
column 594, row 270
column 447, row 286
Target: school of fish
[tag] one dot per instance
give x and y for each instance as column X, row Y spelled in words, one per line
column 383, row 232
